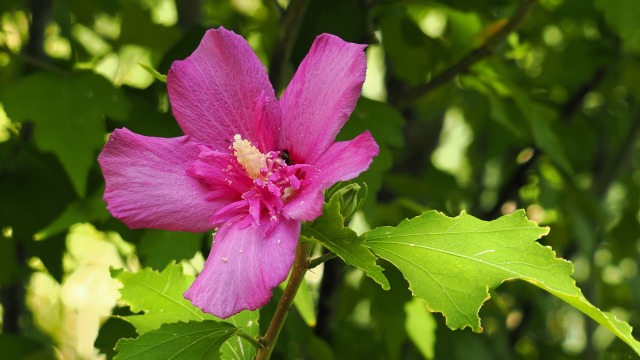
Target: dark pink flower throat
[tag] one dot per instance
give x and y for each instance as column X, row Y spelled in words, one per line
column 258, row 185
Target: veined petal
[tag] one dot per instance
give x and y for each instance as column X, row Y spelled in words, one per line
column 321, row 97
column 244, row 266
column 342, row 161
column 222, row 89
column 148, row 186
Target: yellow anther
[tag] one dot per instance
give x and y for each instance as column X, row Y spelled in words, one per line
column 251, row 159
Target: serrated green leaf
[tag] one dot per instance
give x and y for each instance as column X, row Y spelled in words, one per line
column 180, row 341
column 451, row 263
column 330, row 231
column 238, row 348
column 68, row 113
column 159, row 296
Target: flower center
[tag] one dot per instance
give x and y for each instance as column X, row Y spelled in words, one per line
column 251, row 159
column 256, row 186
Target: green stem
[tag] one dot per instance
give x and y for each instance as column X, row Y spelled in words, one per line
column 288, row 33
column 27, row 59
column 300, row 267
column 320, row 259
column 249, row 338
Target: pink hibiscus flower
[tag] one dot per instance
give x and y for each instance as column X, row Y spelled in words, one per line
column 250, row 164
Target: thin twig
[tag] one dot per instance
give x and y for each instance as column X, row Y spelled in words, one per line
column 34, row 61
column 288, row 33
column 300, row 267
column 618, row 162
column 405, row 99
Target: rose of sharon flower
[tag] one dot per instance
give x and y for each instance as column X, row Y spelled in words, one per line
column 250, row 164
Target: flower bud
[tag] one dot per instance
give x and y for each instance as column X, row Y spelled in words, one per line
column 351, row 197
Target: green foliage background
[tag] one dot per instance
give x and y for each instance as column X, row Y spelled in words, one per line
column 545, row 117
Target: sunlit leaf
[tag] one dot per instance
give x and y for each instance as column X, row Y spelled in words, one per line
column 238, row 348
column 179, row 341
column 159, row 296
column 451, row 263
column 303, row 302
column 421, row 327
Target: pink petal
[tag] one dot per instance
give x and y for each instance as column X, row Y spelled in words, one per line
column 321, row 97
column 147, row 184
column 244, row 266
column 222, row 89
column 342, row 161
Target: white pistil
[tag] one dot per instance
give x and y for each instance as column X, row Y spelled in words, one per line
column 287, row 192
column 251, row 159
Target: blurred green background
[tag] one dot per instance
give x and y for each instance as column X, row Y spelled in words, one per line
column 538, row 108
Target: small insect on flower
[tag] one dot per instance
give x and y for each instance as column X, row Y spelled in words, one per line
column 285, row 156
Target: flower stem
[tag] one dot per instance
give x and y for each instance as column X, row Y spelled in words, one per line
column 300, row 267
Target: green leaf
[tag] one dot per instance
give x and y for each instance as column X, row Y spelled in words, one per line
column 451, row 263
column 22, row 347
column 412, row 54
column 385, row 124
column 330, row 231
column 540, row 118
column 238, row 348
column 622, row 16
column 9, row 269
column 303, row 302
column 421, row 327
column 138, row 28
column 90, row 209
column 186, row 341
column 159, row 295
column 158, row 248
column 68, row 113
